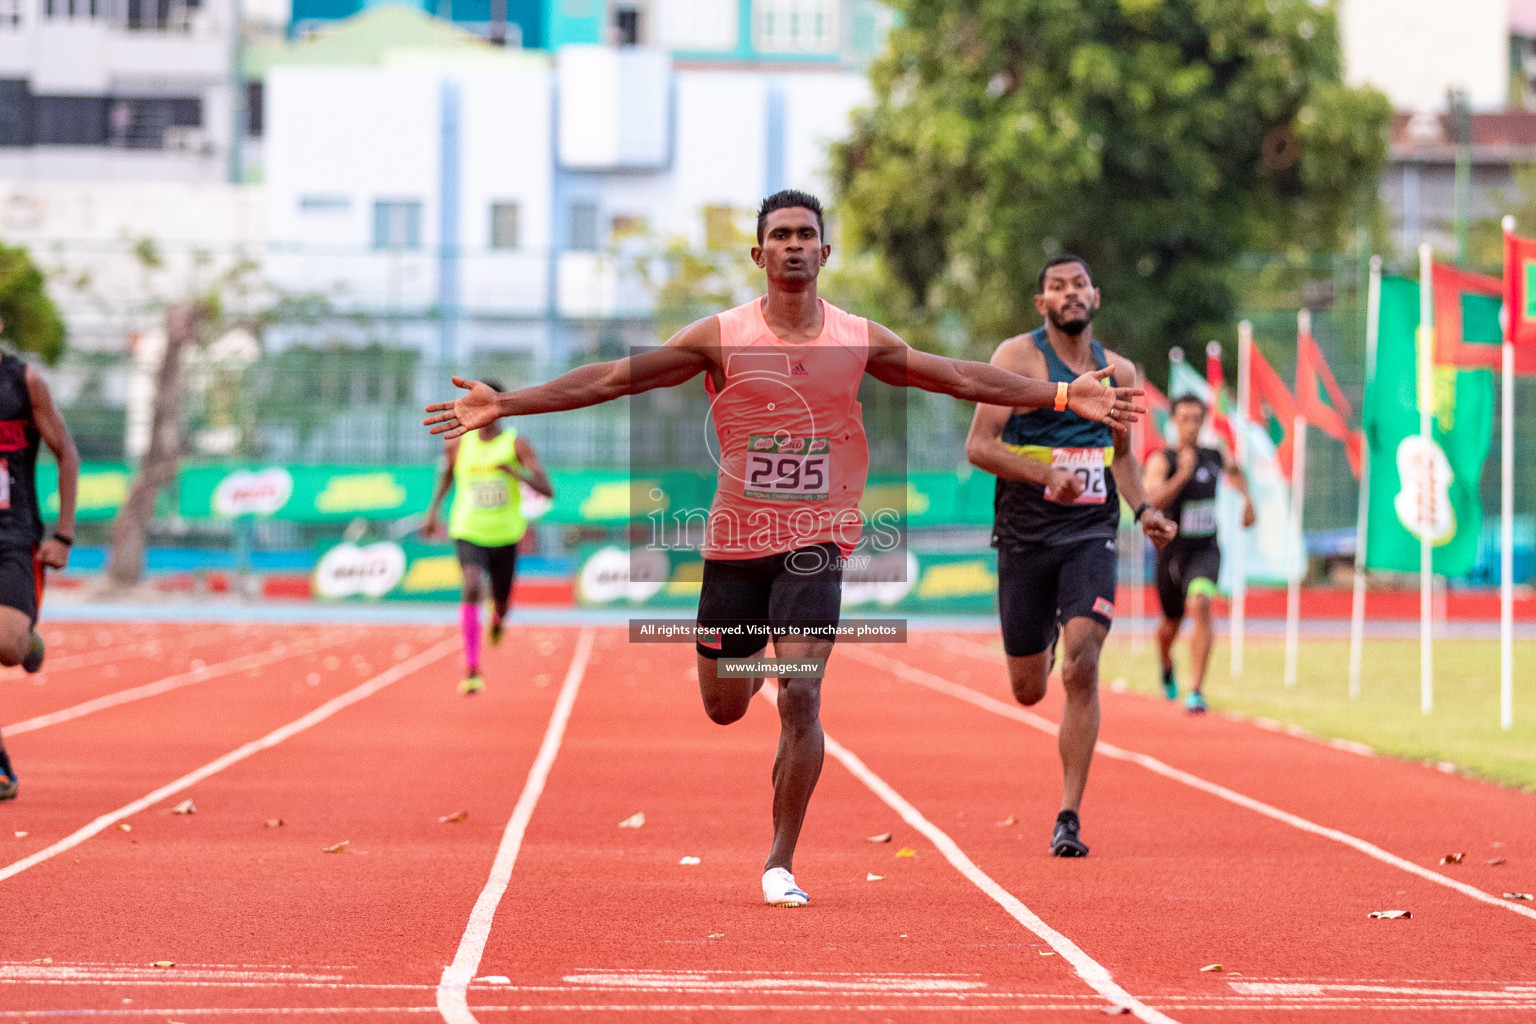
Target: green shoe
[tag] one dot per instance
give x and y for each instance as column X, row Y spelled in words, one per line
column 34, row 659
column 472, row 684
column 1194, row 703
column 494, row 633
column 1170, row 684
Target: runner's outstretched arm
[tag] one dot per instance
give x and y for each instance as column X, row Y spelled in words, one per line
column 894, row 362
column 533, row 470
column 1238, row 479
column 50, row 426
column 679, row 360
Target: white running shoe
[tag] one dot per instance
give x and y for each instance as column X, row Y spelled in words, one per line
column 780, row 890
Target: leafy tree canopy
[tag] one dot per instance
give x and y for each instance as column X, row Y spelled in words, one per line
column 32, row 322
column 1159, row 139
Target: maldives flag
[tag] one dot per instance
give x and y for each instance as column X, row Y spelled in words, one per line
column 1467, row 331
column 1324, row 407
column 1271, row 407
column 1520, row 299
column 1221, row 402
column 1149, row 433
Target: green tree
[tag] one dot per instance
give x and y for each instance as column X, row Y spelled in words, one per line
column 32, row 322
column 1159, row 139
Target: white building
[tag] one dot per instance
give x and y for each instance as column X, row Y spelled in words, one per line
column 502, row 202
column 117, row 90
column 1416, row 51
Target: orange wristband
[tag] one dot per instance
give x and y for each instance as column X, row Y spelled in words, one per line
column 1061, row 396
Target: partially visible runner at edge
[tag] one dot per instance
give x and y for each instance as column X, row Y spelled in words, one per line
column 486, row 467
column 1056, row 514
column 27, row 416
column 1182, row 482
column 789, row 572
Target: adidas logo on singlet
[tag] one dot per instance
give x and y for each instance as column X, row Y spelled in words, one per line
column 798, row 370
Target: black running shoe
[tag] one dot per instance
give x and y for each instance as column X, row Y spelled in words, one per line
column 34, row 658
column 1064, row 840
column 7, row 787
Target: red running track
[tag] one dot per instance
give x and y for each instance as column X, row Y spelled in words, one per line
column 1211, row 844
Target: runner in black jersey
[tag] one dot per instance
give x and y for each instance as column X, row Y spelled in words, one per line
column 1056, row 514
column 1182, row 483
column 27, row 415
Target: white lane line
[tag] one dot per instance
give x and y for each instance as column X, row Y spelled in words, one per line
column 1090, row 970
column 1152, row 764
column 169, row 683
column 453, row 988
column 271, row 739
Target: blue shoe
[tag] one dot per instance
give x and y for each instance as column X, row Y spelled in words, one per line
column 1194, row 703
column 1170, row 684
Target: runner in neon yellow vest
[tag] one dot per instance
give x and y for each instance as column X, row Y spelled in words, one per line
column 486, row 467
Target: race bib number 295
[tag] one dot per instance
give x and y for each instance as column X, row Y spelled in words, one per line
column 788, row 468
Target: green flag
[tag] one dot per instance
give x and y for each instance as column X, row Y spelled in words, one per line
column 1414, row 487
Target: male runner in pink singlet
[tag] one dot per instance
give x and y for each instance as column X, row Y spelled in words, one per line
column 783, row 380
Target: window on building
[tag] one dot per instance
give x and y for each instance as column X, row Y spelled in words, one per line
column 255, row 108
column 397, row 224
column 719, row 228
column 584, row 226
column 70, row 120
column 795, row 26
column 504, row 225
column 10, row 13
column 150, row 122
column 324, row 204
column 710, row 25
column 16, row 115
column 626, row 25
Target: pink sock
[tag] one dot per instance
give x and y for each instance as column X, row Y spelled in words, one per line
column 469, row 622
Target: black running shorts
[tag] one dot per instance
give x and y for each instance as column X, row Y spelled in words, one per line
column 1177, row 568
column 745, row 601
column 499, row 563
column 1041, row 586
column 21, row 579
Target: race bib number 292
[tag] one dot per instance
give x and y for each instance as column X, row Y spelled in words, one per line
column 1087, row 464
column 788, row 468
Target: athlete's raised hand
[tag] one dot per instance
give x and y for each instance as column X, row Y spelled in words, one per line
column 476, row 408
column 1092, row 399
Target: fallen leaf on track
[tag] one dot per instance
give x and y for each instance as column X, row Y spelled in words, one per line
column 634, row 820
column 1012, row 819
column 872, row 877
column 1391, row 915
column 123, row 826
column 1495, row 862
column 906, row 851
column 689, row 860
column 272, row 823
column 22, row 835
column 185, row 807
column 456, row 816
column 717, row 935
column 164, row 963
column 495, row 979
column 44, row 960
column 1118, row 1011
column 338, row 847
column 1213, row 967
column 883, row 837
column 1046, row 952
column 1452, row 858
column 1517, row 896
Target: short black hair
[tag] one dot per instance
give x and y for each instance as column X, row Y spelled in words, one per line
column 790, row 199
column 1189, row 400
column 492, row 383
column 1056, row 261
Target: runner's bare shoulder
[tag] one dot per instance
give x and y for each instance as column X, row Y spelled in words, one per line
column 1019, row 354
column 1125, row 370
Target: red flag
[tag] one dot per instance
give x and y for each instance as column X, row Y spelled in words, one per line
column 1333, row 415
column 1147, row 437
column 1453, row 346
column 1216, row 377
column 1520, row 299
column 1271, row 406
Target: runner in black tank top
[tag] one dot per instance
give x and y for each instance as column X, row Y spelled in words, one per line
column 1056, row 512
column 27, row 415
column 1182, row 481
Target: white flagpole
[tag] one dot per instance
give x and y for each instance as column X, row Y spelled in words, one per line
column 1298, row 538
column 1362, row 518
column 1507, row 520
column 1240, row 547
column 1426, row 483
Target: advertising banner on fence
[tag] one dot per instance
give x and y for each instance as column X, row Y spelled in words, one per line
column 103, row 490
column 387, row 570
